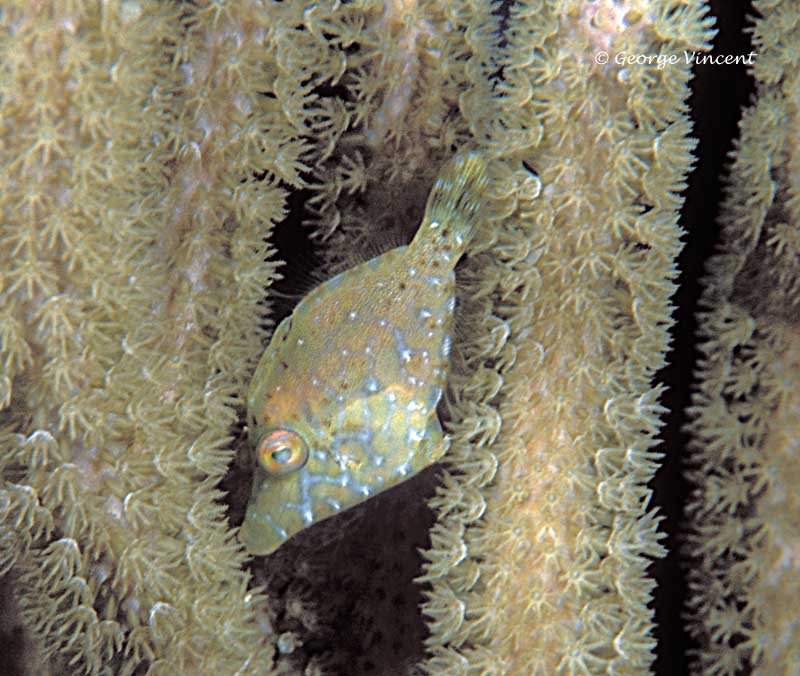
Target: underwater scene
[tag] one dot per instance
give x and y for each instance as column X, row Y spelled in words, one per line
column 399, row 337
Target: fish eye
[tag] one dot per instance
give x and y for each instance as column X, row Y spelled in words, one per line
column 282, row 451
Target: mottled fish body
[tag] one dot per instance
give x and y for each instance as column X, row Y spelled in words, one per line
column 343, row 402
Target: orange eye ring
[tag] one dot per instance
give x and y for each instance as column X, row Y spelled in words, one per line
column 281, row 452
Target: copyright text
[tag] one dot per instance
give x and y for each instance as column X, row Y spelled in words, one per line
column 661, row 61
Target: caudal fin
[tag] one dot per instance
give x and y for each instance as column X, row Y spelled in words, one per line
column 455, row 204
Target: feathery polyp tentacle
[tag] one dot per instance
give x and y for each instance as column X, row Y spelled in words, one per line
column 455, row 204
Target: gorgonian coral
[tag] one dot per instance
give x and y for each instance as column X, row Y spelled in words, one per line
column 742, row 553
column 142, row 155
column 544, row 533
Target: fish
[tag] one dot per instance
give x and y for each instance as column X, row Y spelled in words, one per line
column 342, row 404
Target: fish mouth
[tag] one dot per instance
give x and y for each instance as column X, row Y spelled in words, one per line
column 259, row 538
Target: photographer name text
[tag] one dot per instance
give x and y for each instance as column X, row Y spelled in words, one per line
column 664, row 60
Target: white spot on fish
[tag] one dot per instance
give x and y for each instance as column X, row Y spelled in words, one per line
column 353, row 314
column 414, row 436
column 435, row 281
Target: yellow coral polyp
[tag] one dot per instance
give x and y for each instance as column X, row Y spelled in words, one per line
column 121, row 239
column 742, row 551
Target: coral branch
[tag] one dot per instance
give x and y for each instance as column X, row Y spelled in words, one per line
column 133, row 251
column 743, row 550
column 578, row 275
